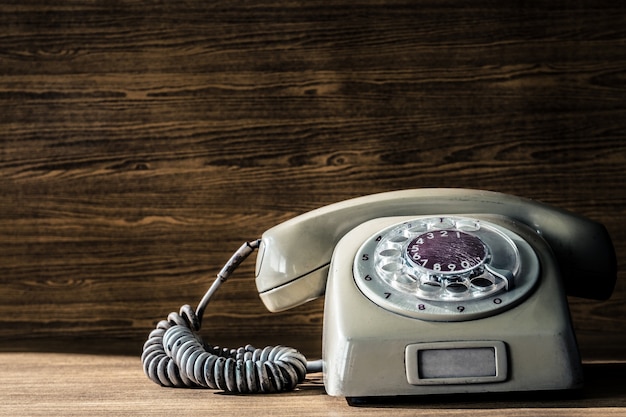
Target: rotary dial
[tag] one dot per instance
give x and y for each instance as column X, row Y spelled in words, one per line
column 440, row 267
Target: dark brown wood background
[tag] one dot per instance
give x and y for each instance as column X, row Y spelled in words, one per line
column 141, row 142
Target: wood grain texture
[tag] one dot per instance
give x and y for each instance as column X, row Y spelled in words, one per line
column 142, row 142
column 115, row 385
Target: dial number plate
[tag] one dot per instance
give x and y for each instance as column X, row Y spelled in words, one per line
column 447, row 251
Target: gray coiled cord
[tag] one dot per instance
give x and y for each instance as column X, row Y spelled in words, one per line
column 175, row 355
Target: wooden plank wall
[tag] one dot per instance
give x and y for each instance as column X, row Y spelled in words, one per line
column 141, row 142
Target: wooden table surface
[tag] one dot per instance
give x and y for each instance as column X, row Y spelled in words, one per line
column 40, row 384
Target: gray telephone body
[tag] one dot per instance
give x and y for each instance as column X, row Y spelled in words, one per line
column 440, row 291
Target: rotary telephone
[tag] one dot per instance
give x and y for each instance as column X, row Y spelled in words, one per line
column 427, row 291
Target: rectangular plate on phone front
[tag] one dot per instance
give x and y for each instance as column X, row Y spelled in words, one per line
column 465, row 362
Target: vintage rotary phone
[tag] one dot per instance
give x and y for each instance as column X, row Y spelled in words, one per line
column 429, row 291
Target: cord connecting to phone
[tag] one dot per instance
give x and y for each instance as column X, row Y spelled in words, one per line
column 175, row 355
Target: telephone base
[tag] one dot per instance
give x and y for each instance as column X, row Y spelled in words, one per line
column 369, row 351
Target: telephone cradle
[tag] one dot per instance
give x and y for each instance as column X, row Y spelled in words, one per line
column 427, row 291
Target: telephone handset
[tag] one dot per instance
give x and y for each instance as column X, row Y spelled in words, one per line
column 427, row 291
column 295, row 255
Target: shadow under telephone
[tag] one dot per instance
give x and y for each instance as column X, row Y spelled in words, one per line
column 428, row 291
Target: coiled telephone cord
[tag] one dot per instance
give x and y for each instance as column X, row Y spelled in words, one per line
column 175, row 355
